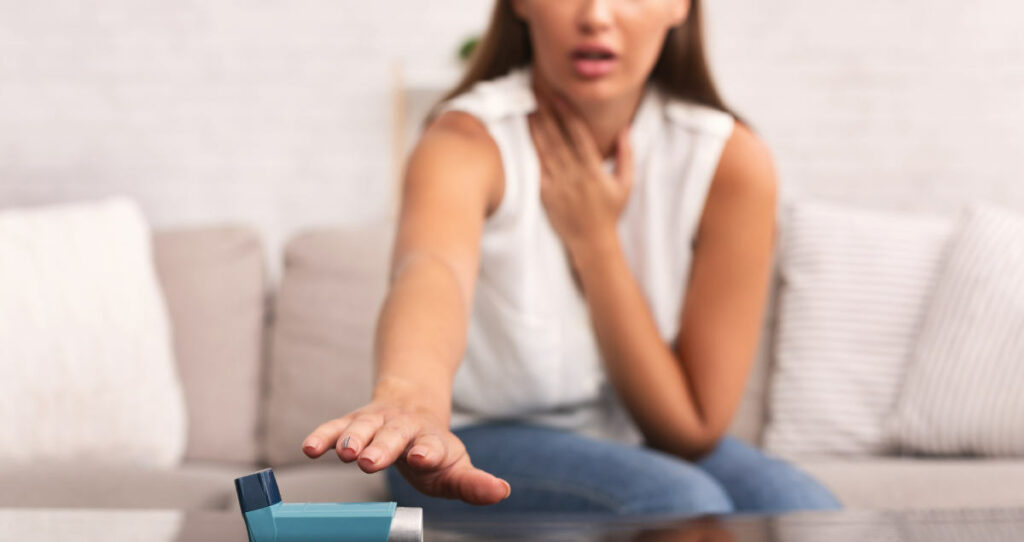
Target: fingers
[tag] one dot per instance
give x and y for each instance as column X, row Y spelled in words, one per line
column 357, row 435
column 475, row 486
column 423, row 451
column 324, row 437
column 375, row 441
column 624, row 159
column 548, row 143
column 556, row 145
column 426, row 452
column 548, row 105
column 458, row 477
column 388, row 444
column 435, row 460
column 558, row 134
column 437, row 464
column 577, row 130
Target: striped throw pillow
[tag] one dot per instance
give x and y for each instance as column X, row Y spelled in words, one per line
column 854, row 285
column 964, row 391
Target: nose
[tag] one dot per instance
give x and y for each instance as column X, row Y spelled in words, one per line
column 595, row 16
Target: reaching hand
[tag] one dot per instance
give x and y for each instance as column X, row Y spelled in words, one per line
column 425, row 452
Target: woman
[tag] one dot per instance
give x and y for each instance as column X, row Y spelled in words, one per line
column 579, row 275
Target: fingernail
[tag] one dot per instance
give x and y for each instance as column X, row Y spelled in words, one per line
column 508, row 490
column 344, row 443
column 373, row 456
column 418, row 452
column 311, row 443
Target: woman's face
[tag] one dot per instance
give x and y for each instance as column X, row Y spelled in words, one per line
column 597, row 50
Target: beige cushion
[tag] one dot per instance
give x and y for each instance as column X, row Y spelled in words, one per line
column 329, row 480
column 108, row 525
column 922, row 483
column 190, row 487
column 214, row 285
column 194, row 486
column 321, row 347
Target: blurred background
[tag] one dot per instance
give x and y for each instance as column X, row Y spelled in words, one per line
column 287, row 115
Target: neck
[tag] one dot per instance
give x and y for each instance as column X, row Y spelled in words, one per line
column 606, row 118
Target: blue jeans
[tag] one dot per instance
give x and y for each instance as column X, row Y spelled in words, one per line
column 558, row 471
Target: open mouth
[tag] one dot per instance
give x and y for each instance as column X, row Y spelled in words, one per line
column 593, row 61
column 593, row 55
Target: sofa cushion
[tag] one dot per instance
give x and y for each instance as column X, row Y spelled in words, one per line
column 855, row 284
column 329, row 480
column 962, row 394
column 321, row 353
column 190, row 487
column 907, row 482
column 37, row 524
column 214, row 285
column 86, row 366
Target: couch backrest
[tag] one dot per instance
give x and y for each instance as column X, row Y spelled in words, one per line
column 321, row 346
column 214, row 283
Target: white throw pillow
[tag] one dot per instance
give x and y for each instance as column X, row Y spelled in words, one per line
column 964, row 389
column 86, row 367
column 854, row 284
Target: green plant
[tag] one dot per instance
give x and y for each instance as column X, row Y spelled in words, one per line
column 467, row 47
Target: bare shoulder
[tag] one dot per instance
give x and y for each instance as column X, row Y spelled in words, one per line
column 746, row 168
column 459, row 137
column 458, row 124
column 456, row 149
column 742, row 198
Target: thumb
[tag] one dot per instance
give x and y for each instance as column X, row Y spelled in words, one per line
column 624, row 159
column 475, row 486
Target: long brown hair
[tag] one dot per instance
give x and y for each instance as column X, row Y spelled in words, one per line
column 681, row 70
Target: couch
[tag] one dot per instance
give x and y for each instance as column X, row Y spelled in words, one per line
column 262, row 364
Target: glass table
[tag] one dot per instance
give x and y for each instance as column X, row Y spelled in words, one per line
column 998, row 525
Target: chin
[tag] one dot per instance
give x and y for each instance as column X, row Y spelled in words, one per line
column 601, row 89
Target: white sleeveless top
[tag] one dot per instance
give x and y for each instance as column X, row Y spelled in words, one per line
column 531, row 353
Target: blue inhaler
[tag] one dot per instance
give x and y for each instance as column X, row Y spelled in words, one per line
column 267, row 519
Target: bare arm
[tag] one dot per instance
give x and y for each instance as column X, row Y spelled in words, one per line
column 683, row 399
column 452, row 183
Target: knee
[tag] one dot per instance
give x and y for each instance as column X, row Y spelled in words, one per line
column 678, row 490
column 784, row 488
column 757, row 482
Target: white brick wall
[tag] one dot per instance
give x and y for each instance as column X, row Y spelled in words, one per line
column 279, row 113
column 269, row 112
column 914, row 104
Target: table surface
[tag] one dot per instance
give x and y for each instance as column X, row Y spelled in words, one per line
column 47, row 525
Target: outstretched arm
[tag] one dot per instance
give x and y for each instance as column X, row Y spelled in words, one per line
column 452, row 183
